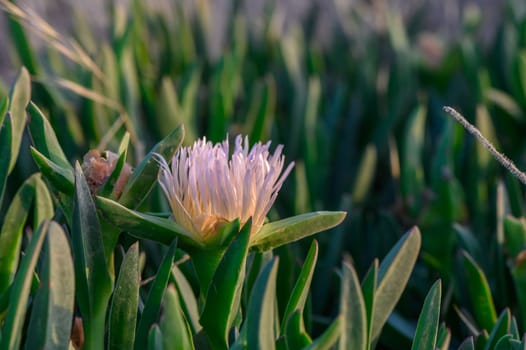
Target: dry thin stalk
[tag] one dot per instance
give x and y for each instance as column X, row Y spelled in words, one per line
column 508, row 164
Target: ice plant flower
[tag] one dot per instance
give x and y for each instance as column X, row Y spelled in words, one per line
column 207, row 187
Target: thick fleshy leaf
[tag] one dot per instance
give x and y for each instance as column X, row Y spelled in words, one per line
column 427, row 326
column 443, row 337
column 352, row 311
column 92, row 277
column 16, row 312
column 467, row 344
column 327, row 340
column 60, row 178
column 261, row 309
column 18, row 100
column 155, row 338
column 6, row 134
column 480, row 294
column 502, row 327
column 143, row 225
column 45, row 140
column 175, row 329
column 123, row 311
column 301, row 289
column 145, row 174
column 52, row 312
column 152, row 306
column 295, row 335
column 288, row 230
column 518, row 272
column 4, row 106
column 514, row 235
column 369, row 285
column 11, row 233
column 223, row 296
column 393, row 274
column 188, row 299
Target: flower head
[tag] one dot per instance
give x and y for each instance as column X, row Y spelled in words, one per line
column 206, row 187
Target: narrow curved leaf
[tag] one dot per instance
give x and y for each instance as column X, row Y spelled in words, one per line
column 427, row 326
column 502, row 327
column 60, row 178
column 224, row 293
column 145, row 174
column 44, row 138
column 327, row 340
column 11, row 233
column 260, row 316
column 155, row 338
column 393, row 274
column 6, row 134
column 123, row 311
column 353, row 315
column 18, row 100
column 152, row 306
column 288, row 230
column 16, row 312
column 301, row 289
column 52, row 312
column 175, row 329
column 467, row 344
column 92, row 277
column 143, row 225
column 295, row 335
column 188, row 299
column 480, row 294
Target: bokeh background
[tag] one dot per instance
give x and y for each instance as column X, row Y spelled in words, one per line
column 353, row 89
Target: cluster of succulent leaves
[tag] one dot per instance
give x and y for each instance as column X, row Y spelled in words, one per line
column 361, row 114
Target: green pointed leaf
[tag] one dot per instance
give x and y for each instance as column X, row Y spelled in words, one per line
column 92, row 277
column 502, row 327
column 327, row 340
column 393, row 274
column 514, row 235
column 467, row 344
column 188, row 299
column 4, row 106
column 427, row 326
column 504, row 343
column 260, row 316
column 52, row 311
column 369, row 291
column 18, row 100
column 123, row 311
column 60, row 178
column 152, row 306
column 352, row 311
column 11, row 234
column 444, row 337
column 175, row 329
column 480, row 294
column 288, row 230
column 6, row 135
column 301, row 289
column 155, row 338
column 145, row 174
column 518, row 273
column 143, row 225
column 224, row 294
column 16, row 312
column 294, row 331
column 45, row 140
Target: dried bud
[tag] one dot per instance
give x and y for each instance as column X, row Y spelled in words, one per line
column 98, row 167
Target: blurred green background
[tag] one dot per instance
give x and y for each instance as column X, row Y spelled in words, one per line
column 353, row 89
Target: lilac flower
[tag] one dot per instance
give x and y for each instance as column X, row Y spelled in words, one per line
column 206, row 187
